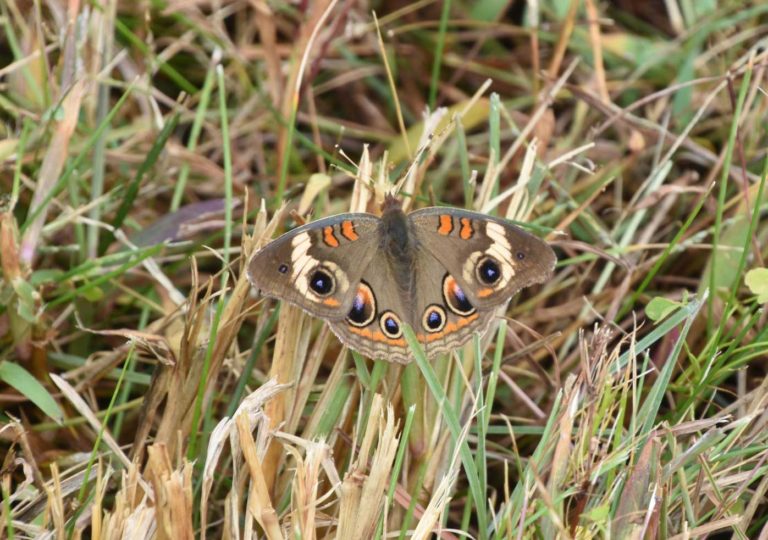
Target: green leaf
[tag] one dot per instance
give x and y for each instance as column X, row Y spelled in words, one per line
column 559, row 7
column 650, row 408
column 45, row 275
column 25, row 306
column 130, row 194
column 20, row 379
column 471, row 118
column 92, row 294
column 633, row 49
column 757, row 281
column 488, row 10
column 658, row 308
column 599, row 514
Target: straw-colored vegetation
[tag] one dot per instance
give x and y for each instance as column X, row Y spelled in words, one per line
column 147, row 148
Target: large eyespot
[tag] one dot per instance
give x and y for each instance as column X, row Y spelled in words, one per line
column 390, row 325
column 321, row 282
column 283, row 268
column 455, row 298
column 433, row 319
column 488, row 271
column 363, row 307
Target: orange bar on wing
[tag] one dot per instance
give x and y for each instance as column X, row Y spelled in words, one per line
column 329, row 238
column 450, row 328
column 466, row 229
column 348, row 230
column 446, row 225
column 377, row 336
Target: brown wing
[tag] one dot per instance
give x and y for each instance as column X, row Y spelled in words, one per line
column 317, row 266
column 490, row 258
column 374, row 323
column 442, row 316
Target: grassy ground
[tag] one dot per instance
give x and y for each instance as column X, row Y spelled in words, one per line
column 146, row 149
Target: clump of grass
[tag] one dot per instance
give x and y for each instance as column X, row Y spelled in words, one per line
column 147, row 151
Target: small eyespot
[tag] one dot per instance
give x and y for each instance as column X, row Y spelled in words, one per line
column 283, row 268
column 363, row 307
column 520, row 255
column 390, row 325
column 433, row 319
column 455, row 298
column 321, row 282
column 488, row 271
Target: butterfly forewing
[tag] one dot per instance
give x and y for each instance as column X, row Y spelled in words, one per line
column 490, row 258
column 317, row 266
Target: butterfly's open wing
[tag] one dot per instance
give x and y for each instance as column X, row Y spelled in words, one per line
column 374, row 323
column 490, row 258
column 318, row 266
column 442, row 316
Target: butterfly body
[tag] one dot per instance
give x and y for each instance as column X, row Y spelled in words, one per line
column 443, row 271
column 397, row 245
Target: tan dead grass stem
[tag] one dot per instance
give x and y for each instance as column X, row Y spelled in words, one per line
column 364, row 485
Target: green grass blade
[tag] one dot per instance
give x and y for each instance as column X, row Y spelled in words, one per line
column 452, row 421
column 22, row 380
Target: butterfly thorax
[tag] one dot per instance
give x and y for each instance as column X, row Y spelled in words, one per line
column 398, row 243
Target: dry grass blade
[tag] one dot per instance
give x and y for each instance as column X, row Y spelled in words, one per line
column 82, row 407
column 51, row 168
column 132, row 515
column 259, row 503
column 228, row 430
column 290, row 348
column 638, row 493
column 363, row 494
column 173, row 495
column 306, row 513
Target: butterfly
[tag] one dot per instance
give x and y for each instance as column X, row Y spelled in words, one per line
column 443, row 271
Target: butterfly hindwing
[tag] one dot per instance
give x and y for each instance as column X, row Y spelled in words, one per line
column 441, row 315
column 374, row 323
